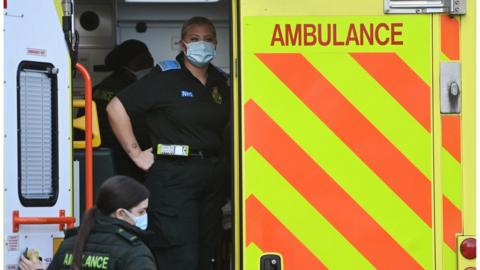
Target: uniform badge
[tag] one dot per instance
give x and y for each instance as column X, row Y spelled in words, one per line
column 186, row 93
column 217, row 97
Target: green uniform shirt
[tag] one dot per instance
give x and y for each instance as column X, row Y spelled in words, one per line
column 113, row 244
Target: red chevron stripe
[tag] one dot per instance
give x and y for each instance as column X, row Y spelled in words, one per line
column 452, row 223
column 395, row 76
column 451, row 135
column 410, row 91
column 413, row 94
column 323, row 192
column 450, row 37
column 270, row 235
column 354, row 130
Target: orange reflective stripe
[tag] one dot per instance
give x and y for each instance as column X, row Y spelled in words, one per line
column 354, row 129
column 323, row 192
column 451, row 135
column 450, row 37
column 452, row 223
column 400, row 81
column 270, row 235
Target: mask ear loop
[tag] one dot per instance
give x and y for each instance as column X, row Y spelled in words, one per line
column 184, row 47
column 130, row 215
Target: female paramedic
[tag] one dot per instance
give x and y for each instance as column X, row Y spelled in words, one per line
column 187, row 107
column 111, row 233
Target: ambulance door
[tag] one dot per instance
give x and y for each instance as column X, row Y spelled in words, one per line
column 37, row 139
column 348, row 160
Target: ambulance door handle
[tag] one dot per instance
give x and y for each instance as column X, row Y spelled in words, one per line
column 270, row 262
column 450, row 88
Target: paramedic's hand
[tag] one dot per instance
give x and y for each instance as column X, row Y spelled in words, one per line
column 144, row 160
column 26, row 264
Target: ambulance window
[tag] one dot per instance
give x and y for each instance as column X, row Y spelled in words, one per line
column 37, row 134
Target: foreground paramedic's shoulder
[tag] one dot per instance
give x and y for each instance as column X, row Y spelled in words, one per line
column 129, row 237
column 168, row 65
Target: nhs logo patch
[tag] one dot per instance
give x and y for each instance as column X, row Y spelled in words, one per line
column 186, row 93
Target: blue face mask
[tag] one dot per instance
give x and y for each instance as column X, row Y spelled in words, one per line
column 141, row 221
column 200, row 53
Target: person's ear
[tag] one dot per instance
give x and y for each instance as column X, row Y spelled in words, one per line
column 182, row 46
column 120, row 214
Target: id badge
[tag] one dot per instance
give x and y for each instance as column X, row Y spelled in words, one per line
column 172, row 150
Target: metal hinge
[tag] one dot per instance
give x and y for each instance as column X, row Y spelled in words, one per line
column 452, row 7
column 458, row 7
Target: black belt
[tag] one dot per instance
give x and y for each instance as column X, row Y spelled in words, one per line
column 202, row 153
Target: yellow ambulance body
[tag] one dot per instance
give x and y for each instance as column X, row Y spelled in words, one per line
column 357, row 122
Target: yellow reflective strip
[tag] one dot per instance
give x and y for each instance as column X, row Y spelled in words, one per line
column 451, row 178
column 437, row 144
column 59, row 8
column 449, row 258
column 252, row 257
column 314, row 231
column 378, row 106
column 340, row 162
column 415, row 28
column 444, row 58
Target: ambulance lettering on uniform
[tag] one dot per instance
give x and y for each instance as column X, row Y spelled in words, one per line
column 326, row 35
column 68, row 259
column 90, row 261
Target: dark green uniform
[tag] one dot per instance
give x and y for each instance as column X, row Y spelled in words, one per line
column 102, row 94
column 186, row 192
column 113, row 244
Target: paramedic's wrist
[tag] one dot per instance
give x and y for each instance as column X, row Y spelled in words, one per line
column 144, row 160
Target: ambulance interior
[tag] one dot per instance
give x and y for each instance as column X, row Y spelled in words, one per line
column 102, row 24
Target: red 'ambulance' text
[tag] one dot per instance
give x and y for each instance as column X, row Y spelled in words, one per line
column 326, row 35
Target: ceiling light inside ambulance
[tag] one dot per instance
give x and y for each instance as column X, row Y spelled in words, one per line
column 171, row 1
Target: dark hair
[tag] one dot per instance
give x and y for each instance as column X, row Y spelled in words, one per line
column 116, row 192
column 127, row 51
column 195, row 21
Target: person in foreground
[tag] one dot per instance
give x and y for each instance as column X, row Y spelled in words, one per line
column 111, row 234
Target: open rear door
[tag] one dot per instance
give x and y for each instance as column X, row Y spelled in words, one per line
column 348, row 161
column 37, row 115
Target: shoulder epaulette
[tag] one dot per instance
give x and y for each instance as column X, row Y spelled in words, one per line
column 132, row 239
column 169, row 65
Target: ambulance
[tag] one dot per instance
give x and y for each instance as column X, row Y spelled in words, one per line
column 353, row 125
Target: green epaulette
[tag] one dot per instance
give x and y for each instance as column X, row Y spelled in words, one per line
column 131, row 238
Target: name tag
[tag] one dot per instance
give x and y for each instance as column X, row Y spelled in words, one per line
column 172, row 150
column 185, row 93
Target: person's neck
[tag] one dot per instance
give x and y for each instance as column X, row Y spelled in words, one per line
column 198, row 72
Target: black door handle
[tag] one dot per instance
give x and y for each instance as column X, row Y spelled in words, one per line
column 270, row 262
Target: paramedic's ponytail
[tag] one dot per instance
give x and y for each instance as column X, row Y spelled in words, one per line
column 86, row 227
